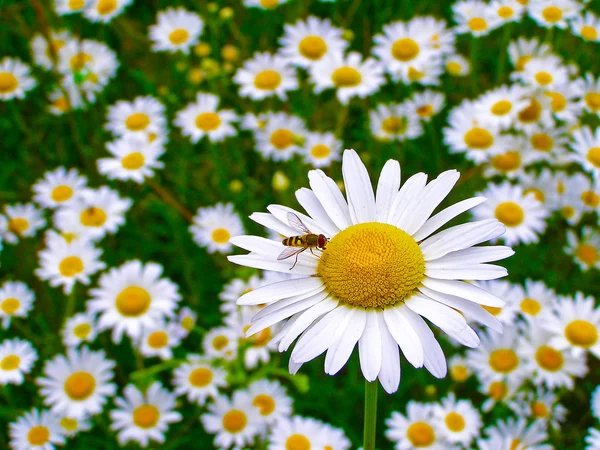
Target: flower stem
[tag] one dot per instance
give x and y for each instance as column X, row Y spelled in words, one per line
column 168, row 198
column 370, row 415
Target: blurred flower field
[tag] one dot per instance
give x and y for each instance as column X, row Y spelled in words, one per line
column 147, row 146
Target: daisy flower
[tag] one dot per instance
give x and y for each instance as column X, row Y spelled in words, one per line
column 498, row 392
column 507, row 291
column 339, row 301
column 565, row 102
column 63, row 7
column 475, row 17
column 259, row 345
column 213, row 227
column 266, row 75
column 296, row 432
column 221, row 343
column 202, row 118
column 307, row 41
column 426, row 104
column 58, row 187
column 539, row 405
column 458, row 421
column 548, row 144
column 586, row 144
column 586, row 26
column 17, row 358
column 578, row 196
column 264, row 4
column 512, row 160
column 176, row 29
column 36, row 430
column 142, row 116
column 537, row 114
column 349, row 75
column 553, row 13
column 415, row 430
column 234, row 422
column 593, row 439
column 590, row 93
column 441, row 37
column 501, row 105
column 333, row 438
column 508, row 10
column 143, row 417
column 198, row 380
column 15, row 79
column 459, row 369
column 545, row 72
column 457, row 65
column 70, row 426
column 132, row 298
column 281, row 137
column 42, row 52
column 427, row 74
column 542, row 186
column 321, row 149
column 81, row 328
column 271, row 401
column 24, row 220
column 159, row 341
column 16, row 300
column 234, row 290
column 522, row 214
column 535, row 300
column 78, row 384
column 64, row 263
column 395, row 122
column 585, row 251
column 133, row 158
column 59, row 103
column 185, row 321
column 521, row 51
column 516, row 434
column 105, row 10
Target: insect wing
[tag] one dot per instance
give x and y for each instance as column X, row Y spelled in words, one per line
column 296, row 223
column 290, row 251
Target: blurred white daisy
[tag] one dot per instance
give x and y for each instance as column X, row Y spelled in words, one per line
column 585, row 251
column 142, row 116
column 586, row 144
column 458, row 420
column 281, row 138
column 221, row 343
column 544, row 72
column 271, row 401
column 548, row 144
column 509, row 292
column 590, row 93
column 24, row 220
column 553, row 13
column 257, row 348
column 264, row 4
column 426, row 104
column 516, row 434
column 457, row 65
column 333, row 438
column 79, row 329
column 296, row 433
column 415, row 430
column 475, row 17
column 565, row 102
column 15, row 79
column 43, row 51
column 459, row 369
column 508, row 10
column 523, row 50
column 587, row 26
column 539, row 405
column 176, row 29
column 185, row 321
column 512, row 160
column 35, row 430
column 498, row 392
column 17, row 358
column 198, row 379
column 593, row 439
column 59, row 103
column 105, row 10
column 159, row 340
column 214, row 226
column 202, row 118
column 69, row 426
column 16, row 300
column 321, row 149
column 63, row 7
column 265, row 75
column 58, row 187
column 502, row 104
column 234, row 290
column 133, row 158
column 535, row 300
column 441, row 36
column 394, row 122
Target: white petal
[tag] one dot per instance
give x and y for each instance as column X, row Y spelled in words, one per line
column 434, row 359
column 411, row 189
column 446, row 215
column 474, row 255
column 270, row 249
column 317, row 338
column 345, row 341
column 359, row 190
column 259, row 262
column 452, row 271
column 293, row 367
column 369, row 346
column 281, row 212
column 387, row 188
column 270, row 309
column 280, row 290
column 464, row 290
column 389, row 374
column 400, row 328
column 330, row 197
column 269, row 221
column 309, row 201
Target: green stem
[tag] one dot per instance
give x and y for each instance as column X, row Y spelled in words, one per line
column 370, row 415
column 473, row 57
column 70, row 305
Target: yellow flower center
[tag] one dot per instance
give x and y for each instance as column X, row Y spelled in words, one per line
column 405, row 49
column 538, row 194
column 531, row 113
column 552, row 14
column 264, row 403
column 478, row 138
column 455, row 422
column 133, row 161
column 522, row 62
column 282, row 138
column 82, row 330
column 459, row 373
column 558, row 100
column 79, row 60
column 501, row 108
column 312, row 47
column 371, row 265
column 587, row 254
column 506, row 12
column 414, row 74
column 539, row 410
column 493, row 310
column 10, row 305
column 346, row 77
column 589, row 33
column 549, row 358
column 187, row 323
column 8, row 83
column 590, row 198
column 592, row 100
column 38, row 435
column 267, row 80
column 543, row 78
column 394, row 125
column 542, row 142
column 425, row 110
column 106, row 6
column 200, row 377
column 530, row 306
column 515, row 444
column 208, row 121
column 477, row 24
column 61, row 193
column 593, row 156
column 497, row 390
column 581, row 333
column 62, row 104
column 507, row 162
column 567, row 212
column 137, row 121
column 297, row 442
column 133, row 301
column 158, row 339
column 259, row 339
column 504, row 360
column 234, row 421
column 18, row 225
column 93, row 217
column 221, row 236
column 146, row 416
column 510, row 214
column 269, row 4
column 320, row 151
column 80, row 385
column 76, row 5
column 453, row 68
column 179, row 36
column 420, row 434
column 10, row 362
column 68, row 424
column 70, row 266
column 220, row 342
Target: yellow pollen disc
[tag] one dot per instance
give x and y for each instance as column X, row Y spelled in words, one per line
column 8, row 83
column 137, row 121
column 501, row 107
column 539, row 410
column 282, row 139
column 62, row 104
column 320, row 151
column 558, row 100
column 234, row 421
column 587, row 254
column 394, row 125
column 18, row 225
column 346, row 77
column 543, row 78
column 589, row 33
column 477, row 24
column 133, row 301
column 38, row 435
column 187, row 323
column 493, row 310
column 68, row 423
column 264, row 403
column 179, row 36
column 592, row 100
column 593, row 156
column 497, row 390
column 459, row 373
column 10, row 305
column 522, row 62
column 549, row 358
column 530, row 306
column 581, row 333
column 146, row 416
column 507, row 162
column 538, row 194
column 421, row 434
column 510, row 214
column 61, row 193
column 312, row 47
column 503, row 360
column 542, row 142
column 269, row 4
column 515, row 444
column 425, row 111
column 70, row 266
column 80, row 385
column 220, row 236
column 560, row 187
column 455, row 422
column 372, row 265
column 133, row 161
column 158, row 339
column 453, row 68
column 208, row 121
column 552, row 14
column 82, row 330
column 69, row 237
column 76, row 5
column 405, row 49
column 79, row 60
column 478, row 138
column 590, row 198
column 414, row 74
column 261, row 339
column 506, row 12
column 200, row 377
column 297, row 442
column 106, row 6
column 220, row 342
column 267, row 80
column 567, row 212
column 10, row 362
column 531, row 113
column 93, row 217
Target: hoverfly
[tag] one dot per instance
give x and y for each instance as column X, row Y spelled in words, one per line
column 294, row 245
